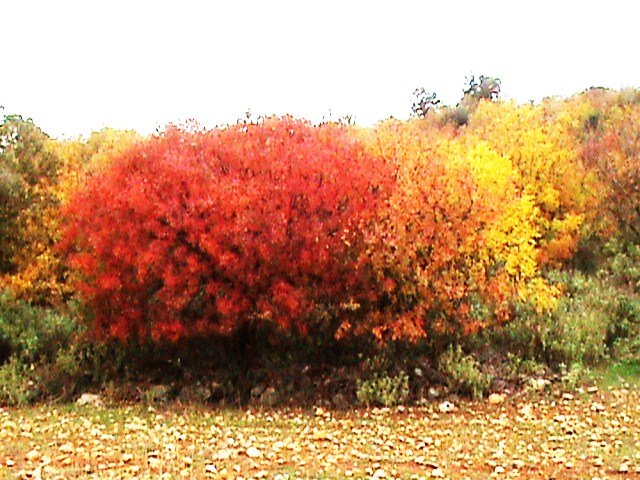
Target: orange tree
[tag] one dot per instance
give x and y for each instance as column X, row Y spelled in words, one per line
column 197, row 232
column 457, row 241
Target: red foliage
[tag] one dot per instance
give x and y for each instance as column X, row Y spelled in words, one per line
column 191, row 233
column 613, row 152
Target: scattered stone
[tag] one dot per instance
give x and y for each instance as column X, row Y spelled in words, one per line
column 9, row 462
column 320, row 412
column 497, row 398
column 253, row 452
column 498, row 470
column 155, row 463
column 526, row 410
column 66, row 448
column 339, row 400
column 33, row 455
column 90, row 399
column 539, row 384
column 257, row 391
column 379, row 473
column 433, row 393
column 126, row 457
column 269, row 398
column 418, row 372
column 518, row 464
column 593, row 389
column 210, row 469
column 597, row 407
column 567, row 396
column 624, row 468
column 446, row 407
column 437, row 473
column 223, row 455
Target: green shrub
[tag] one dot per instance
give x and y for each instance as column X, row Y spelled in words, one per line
column 30, row 333
column 383, row 382
column 463, row 373
column 16, row 384
column 575, row 376
column 383, row 389
column 41, row 354
column 596, row 319
column 517, row 366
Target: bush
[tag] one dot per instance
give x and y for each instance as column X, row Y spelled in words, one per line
column 196, row 233
column 32, row 334
column 383, row 383
column 17, row 387
column 574, row 376
column 383, row 390
column 463, row 373
column 597, row 318
column 44, row 354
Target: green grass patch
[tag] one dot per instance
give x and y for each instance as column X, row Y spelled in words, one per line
column 619, row 374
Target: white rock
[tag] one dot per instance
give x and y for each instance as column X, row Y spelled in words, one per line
column 223, row 455
column 539, row 384
column 67, row 448
column 253, row 452
column 379, row 473
column 437, row 473
column 496, row 398
column 90, row 399
column 446, row 407
column 526, row 410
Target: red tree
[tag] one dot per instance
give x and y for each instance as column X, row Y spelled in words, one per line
column 191, row 233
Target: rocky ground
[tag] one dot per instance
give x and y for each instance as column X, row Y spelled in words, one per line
column 590, row 434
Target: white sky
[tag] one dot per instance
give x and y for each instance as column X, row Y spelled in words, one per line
column 77, row 66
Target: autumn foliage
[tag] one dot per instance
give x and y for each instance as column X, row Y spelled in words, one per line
column 193, row 232
column 404, row 230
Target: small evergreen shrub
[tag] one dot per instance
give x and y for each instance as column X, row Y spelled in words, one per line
column 383, row 389
column 380, row 386
column 464, row 373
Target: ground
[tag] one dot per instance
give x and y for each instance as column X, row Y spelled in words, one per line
column 594, row 433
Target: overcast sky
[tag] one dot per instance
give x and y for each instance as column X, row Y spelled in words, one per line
column 77, row 66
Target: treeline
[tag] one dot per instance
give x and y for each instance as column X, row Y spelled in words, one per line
column 515, row 224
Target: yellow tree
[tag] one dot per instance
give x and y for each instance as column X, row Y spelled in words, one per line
column 456, row 237
column 543, row 147
column 39, row 274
